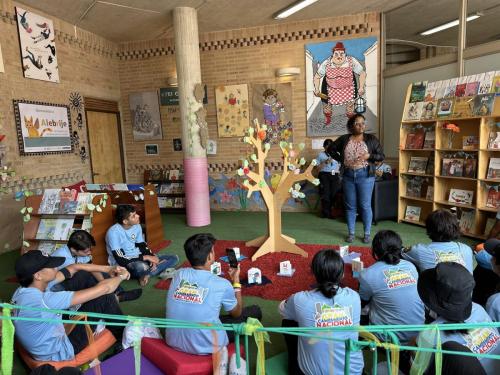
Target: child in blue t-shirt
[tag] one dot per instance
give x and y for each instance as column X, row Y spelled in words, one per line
column 444, row 231
column 126, row 247
column 390, row 286
column 492, row 246
column 327, row 306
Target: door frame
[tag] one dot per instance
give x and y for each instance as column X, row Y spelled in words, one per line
column 104, row 106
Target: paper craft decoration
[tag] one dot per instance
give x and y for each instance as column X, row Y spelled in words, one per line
column 38, row 48
column 216, row 268
column 254, row 276
column 145, row 116
column 286, row 269
column 232, row 105
column 271, row 105
column 341, row 79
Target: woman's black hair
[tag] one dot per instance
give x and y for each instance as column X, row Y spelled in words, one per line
column 386, row 247
column 327, row 142
column 442, row 226
column 328, row 269
column 352, row 120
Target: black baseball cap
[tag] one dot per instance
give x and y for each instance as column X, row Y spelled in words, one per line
column 447, row 290
column 492, row 246
column 33, row 261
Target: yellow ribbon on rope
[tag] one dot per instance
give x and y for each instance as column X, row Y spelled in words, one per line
column 393, row 348
column 250, row 329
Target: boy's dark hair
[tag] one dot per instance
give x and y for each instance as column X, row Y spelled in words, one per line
column 123, row 211
column 442, row 226
column 352, row 120
column 328, row 268
column 327, row 142
column 81, row 240
column 25, row 281
column 198, row 247
column 386, row 247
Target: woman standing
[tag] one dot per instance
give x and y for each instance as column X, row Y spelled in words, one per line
column 328, row 305
column 357, row 152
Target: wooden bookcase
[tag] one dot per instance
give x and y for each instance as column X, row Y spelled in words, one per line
column 157, row 182
column 100, row 224
column 473, row 126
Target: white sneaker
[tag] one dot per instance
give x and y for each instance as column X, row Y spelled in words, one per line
column 234, row 370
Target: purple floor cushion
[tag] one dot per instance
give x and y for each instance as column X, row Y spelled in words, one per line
column 124, row 364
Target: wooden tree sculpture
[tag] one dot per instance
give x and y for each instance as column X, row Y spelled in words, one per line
column 288, row 185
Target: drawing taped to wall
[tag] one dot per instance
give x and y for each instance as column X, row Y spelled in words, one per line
column 341, row 80
column 232, row 110
column 38, row 48
column 145, row 115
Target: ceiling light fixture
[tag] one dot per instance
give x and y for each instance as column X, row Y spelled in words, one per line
column 294, row 8
column 448, row 25
column 287, row 72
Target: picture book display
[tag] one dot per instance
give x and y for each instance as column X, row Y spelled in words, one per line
column 54, row 229
column 414, row 111
column 415, row 139
column 452, row 167
column 470, row 168
column 429, row 110
column 494, row 140
column 466, row 222
column 445, row 107
column 493, row 168
column 463, row 107
column 470, row 142
column 413, row 213
column 430, row 139
column 418, row 90
column 490, row 223
column 50, row 201
column 461, row 196
column 430, row 193
column 483, row 105
column 493, row 197
column 418, row 164
column 414, row 187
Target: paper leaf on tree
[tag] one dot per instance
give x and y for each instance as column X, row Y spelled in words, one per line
column 151, row 192
column 90, row 207
column 23, row 210
column 301, row 146
column 26, row 218
column 316, row 181
column 29, row 209
column 98, row 208
column 26, row 244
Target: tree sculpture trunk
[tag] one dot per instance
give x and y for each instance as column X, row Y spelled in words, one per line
column 274, row 241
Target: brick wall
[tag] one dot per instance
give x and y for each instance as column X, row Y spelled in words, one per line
column 229, row 57
column 87, row 64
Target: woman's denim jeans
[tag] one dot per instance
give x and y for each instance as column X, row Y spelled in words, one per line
column 358, row 189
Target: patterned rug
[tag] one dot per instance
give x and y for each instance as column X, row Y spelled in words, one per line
column 281, row 287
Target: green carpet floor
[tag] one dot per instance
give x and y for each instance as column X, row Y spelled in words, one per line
column 304, row 227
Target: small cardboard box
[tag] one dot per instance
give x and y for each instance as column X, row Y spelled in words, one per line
column 357, row 266
column 216, row 268
column 344, row 251
column 254, row 276
column 286, row 269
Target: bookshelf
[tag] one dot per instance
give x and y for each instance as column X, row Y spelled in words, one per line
column 170, row 192
column 99, row 221
column 444, row 170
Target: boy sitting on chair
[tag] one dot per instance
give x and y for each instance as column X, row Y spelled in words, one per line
column 126, row 247
column 42, row 338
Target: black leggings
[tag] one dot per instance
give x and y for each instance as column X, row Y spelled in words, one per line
column 292, row 347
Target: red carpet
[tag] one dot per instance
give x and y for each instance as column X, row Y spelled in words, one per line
column 162, row 245
column 281, row 287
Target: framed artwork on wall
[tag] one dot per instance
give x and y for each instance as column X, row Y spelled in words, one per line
column 38, row 48
column 42, row 128
column 145, row 116
column 272, row 105
column 232, row 110
column 341, row 80
column 151, row 149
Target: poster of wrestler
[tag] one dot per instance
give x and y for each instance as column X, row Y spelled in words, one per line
column 38, row 48
column 341, row 80
column 272, row 105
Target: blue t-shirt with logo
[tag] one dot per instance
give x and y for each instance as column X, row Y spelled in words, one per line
column 120, row 239
column 493, row 307
column 197, row 296
column 70, row 259
column 313, row 309
column 480, row 340
column 45, row 341
column 426, row 256
column 392, row 292
column 333, row 165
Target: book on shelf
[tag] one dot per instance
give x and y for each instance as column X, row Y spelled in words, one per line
column 452, row 167
column 414, row 187
column 162, row 202
column 430, row 193
column 493, row 168
column 430, row 139
column 429, row 110
column 430, row 165
column 120, row 187
column 415, row 139
column 472, row 87
column 461, row 196
column 83, row 200
column 440, row 88
column 173, row 175
column 445, row 107
column 494, row 140
column 50, row 201
column 93, row 187
column 470, row 168
column 493, row 197
column 483, row 104
column 413, row 111
column 165, row 189
column 466, row 222
column 417, row 93
column 86, row 224
column 156, row 174
column 470, row 142
column 68, row 207
column 460, row 90
column 463, row 107
column 430, row 92
column 490, row 223
column 54, row 229
column 485, row 82
column 418, row 164
column 413, row 213
column 179, row 202
column 495, row 84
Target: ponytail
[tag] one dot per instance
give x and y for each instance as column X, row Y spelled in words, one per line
column 328, row 289
column 387, row 247
column 328, row 269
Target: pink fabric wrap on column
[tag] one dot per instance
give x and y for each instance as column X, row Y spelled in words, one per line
column 196, row 189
